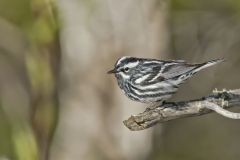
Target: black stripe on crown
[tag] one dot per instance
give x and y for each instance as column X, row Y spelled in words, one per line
column 125, row 60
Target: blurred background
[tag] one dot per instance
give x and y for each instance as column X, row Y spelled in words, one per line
column 58, row 103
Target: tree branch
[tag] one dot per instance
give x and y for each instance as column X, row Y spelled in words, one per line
column 216, row 101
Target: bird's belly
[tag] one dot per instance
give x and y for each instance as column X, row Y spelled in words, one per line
column 136, row 93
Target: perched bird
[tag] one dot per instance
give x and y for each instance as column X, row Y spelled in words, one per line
column 152, row 80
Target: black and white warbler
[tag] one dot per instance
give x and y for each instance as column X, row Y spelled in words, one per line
column 152, row 80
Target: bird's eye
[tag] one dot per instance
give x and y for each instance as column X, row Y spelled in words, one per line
column 126, row 69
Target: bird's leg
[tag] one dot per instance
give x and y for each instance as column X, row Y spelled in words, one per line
column 151, row 107
column 154, row 105
column 164, row 102
column 169, row 103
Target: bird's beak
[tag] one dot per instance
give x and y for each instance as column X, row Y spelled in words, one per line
column 112, row 71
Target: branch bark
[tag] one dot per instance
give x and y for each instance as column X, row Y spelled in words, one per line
column 217, row 101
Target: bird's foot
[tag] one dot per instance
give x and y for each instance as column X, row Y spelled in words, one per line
column 154, row 106
column 224, row 103
column 169, row 103
column 151, row 107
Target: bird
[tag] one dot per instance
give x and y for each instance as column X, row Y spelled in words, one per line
column 154, row 81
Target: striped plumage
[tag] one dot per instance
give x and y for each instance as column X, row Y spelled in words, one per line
column 152, row 80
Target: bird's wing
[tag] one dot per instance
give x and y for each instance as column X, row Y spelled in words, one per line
column 171, row 70
column 152, row 73
column 165, row 71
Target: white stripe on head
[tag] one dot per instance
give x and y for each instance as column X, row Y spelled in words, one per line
column 132, row 64
column 153, row 61
column 121, row 59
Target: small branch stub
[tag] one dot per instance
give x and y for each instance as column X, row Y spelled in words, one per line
column 217, row 101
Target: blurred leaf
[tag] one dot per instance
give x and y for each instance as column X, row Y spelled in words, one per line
column 16, row 11
column 24, row 143
column 42, row 32
column 227, row 5
column 44, row 26
column 5, row 137
column 39, row 72
column 44, row 117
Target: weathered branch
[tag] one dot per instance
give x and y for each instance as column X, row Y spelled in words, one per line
column 217, row 101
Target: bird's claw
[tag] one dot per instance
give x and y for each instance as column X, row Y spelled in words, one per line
column 223, row 103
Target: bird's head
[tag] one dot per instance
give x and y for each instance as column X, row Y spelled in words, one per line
column 125, row 67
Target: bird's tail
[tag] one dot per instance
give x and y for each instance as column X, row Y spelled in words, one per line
column 208, row 64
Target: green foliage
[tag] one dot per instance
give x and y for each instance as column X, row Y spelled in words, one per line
column 24, row 143
column 37, row 21
column 5, row 137
column 223, row 5
column 39, row 72
column 17, row 12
